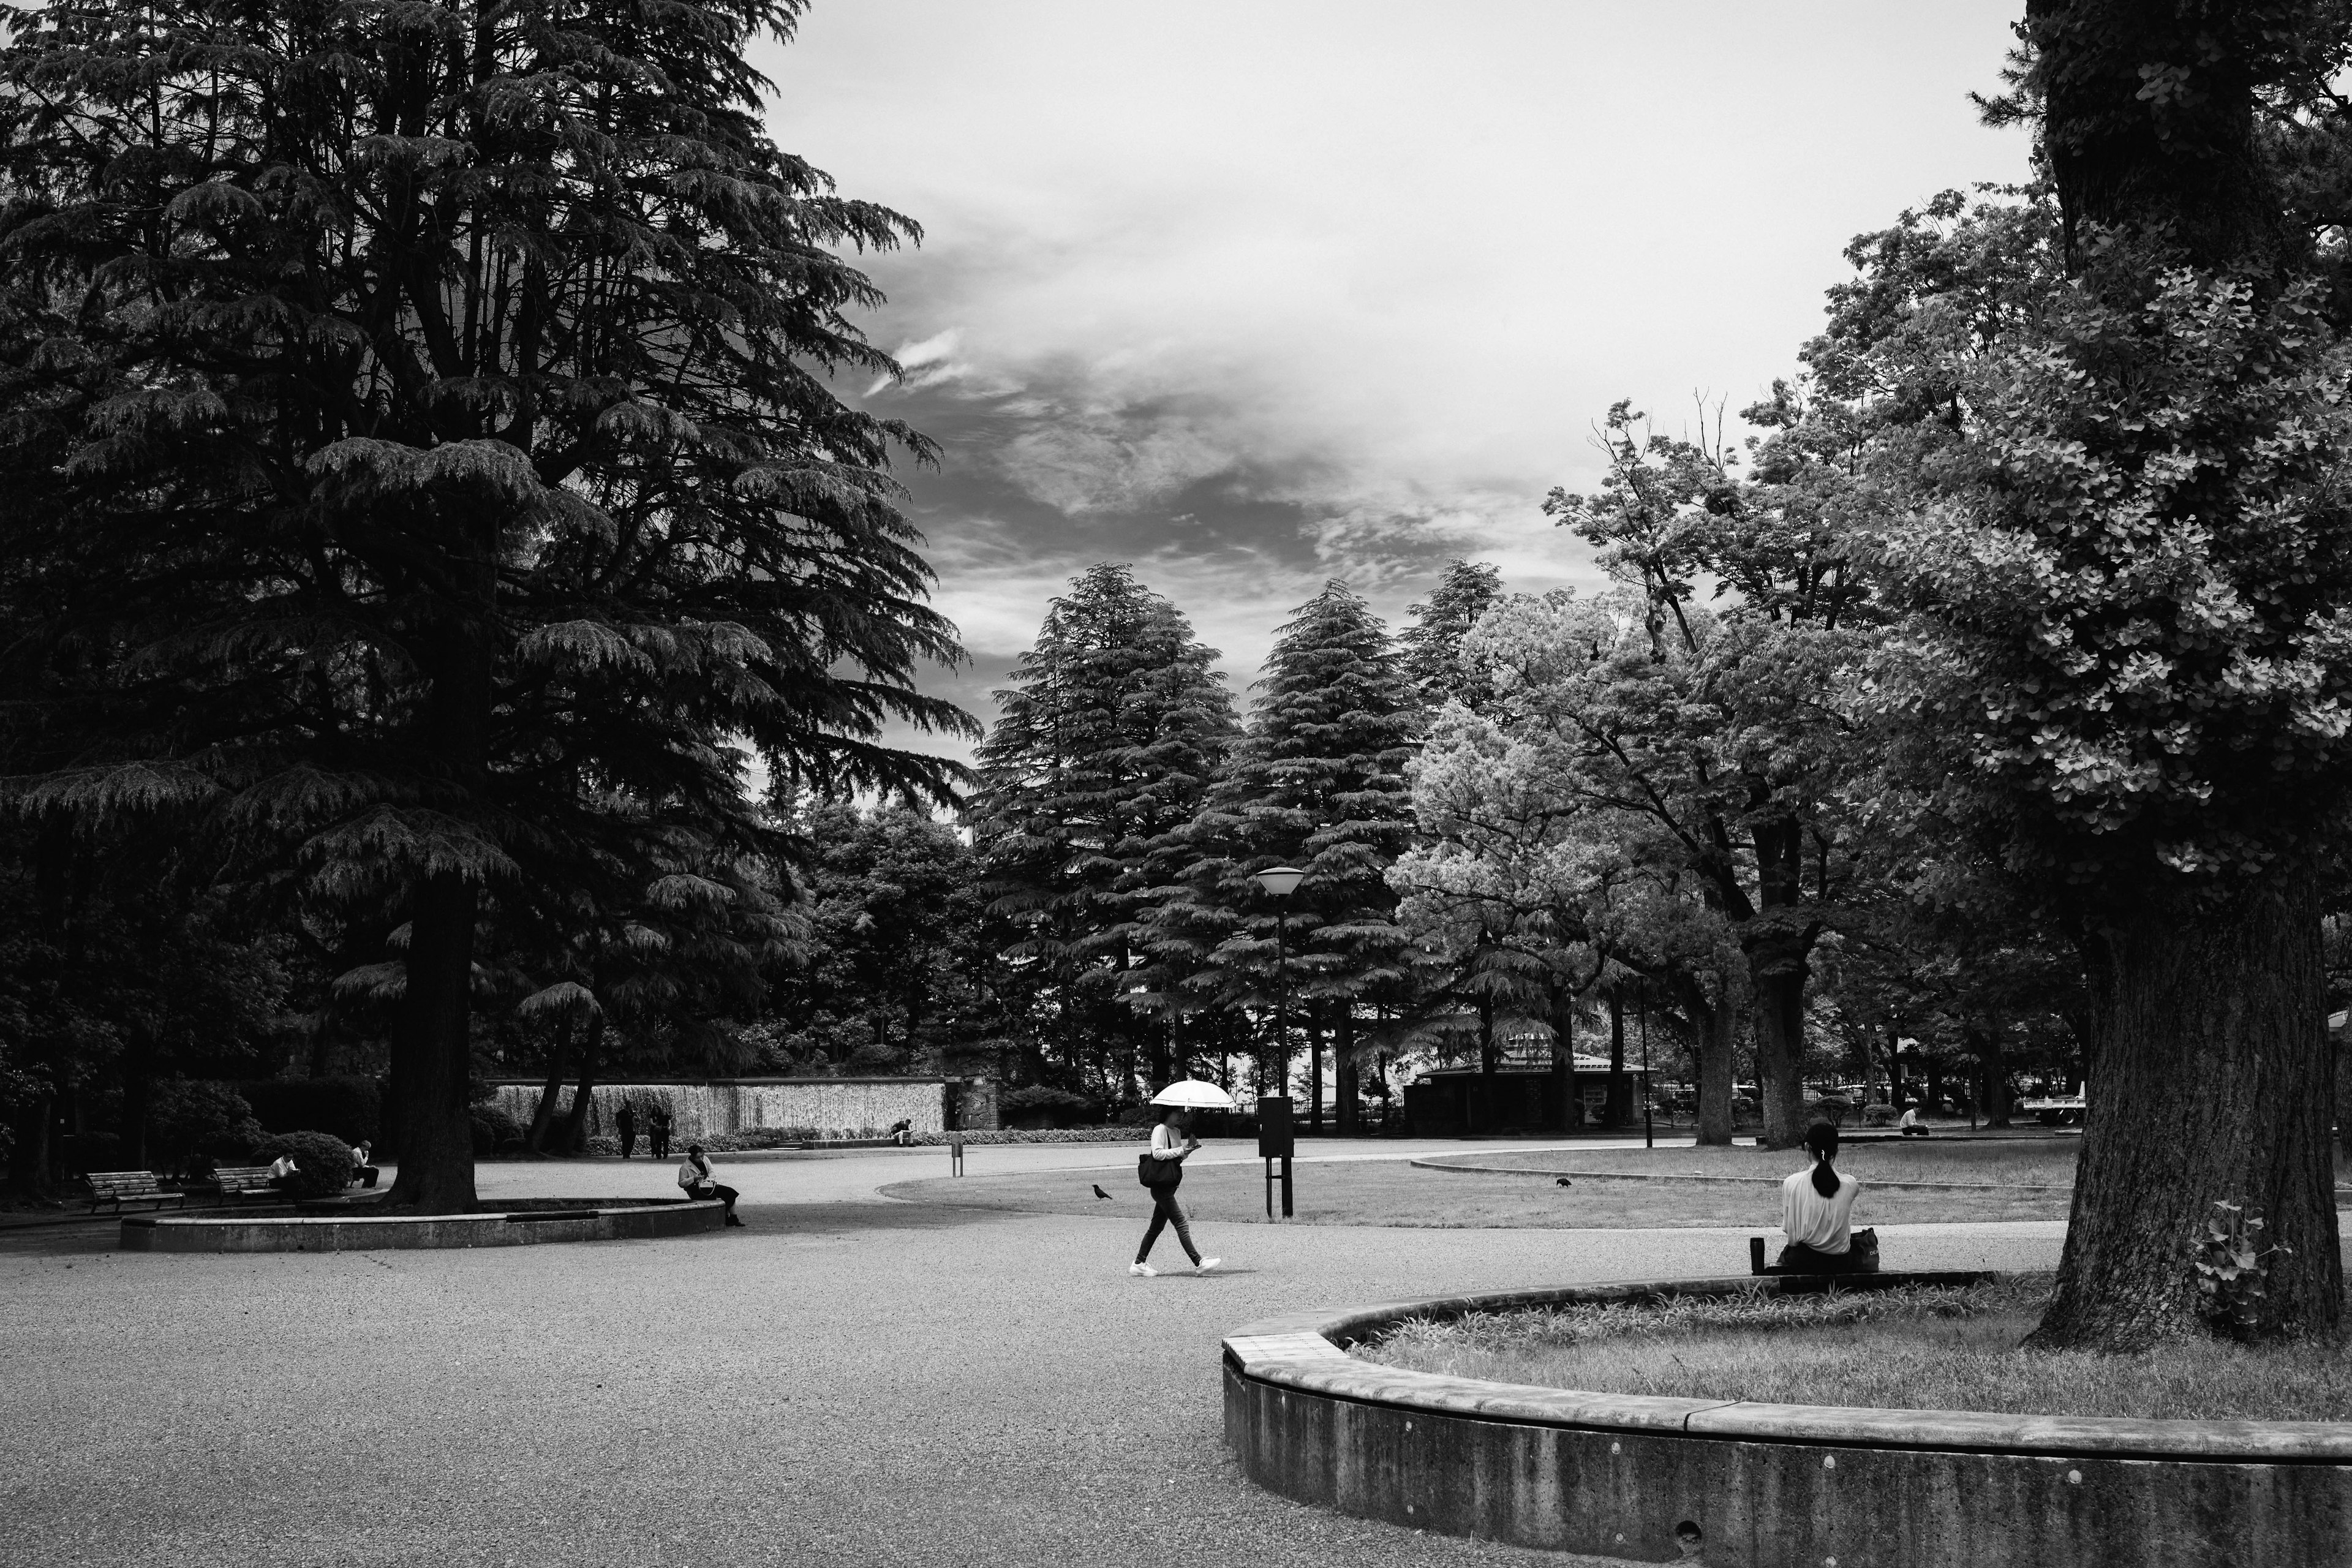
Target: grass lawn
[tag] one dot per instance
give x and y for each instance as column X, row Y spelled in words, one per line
column 1395, row 1192
column 2022, row 1163
column 1926, row 1349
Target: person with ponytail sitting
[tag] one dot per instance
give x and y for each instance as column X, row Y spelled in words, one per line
column 1817, row 1212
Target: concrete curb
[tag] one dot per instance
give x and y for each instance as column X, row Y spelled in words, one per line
column 516, row 1224
column 1615, row 1475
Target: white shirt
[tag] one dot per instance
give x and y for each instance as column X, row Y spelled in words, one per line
column 1167, row 1143
column 1814, row 1221
column 284, row 1166
column 1910, row 1118
column 689, row 1174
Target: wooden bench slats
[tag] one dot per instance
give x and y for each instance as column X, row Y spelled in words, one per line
column 244, row 1182
column 121, row 1187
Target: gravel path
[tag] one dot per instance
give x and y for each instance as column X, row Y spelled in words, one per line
column 848, row 1381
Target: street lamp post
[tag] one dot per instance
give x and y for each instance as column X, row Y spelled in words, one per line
column 1281, row 881
column 1274, row 1128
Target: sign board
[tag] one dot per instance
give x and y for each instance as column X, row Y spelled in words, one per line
column 1274, row 1141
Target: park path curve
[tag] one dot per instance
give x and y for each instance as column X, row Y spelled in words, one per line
column 848, row 1380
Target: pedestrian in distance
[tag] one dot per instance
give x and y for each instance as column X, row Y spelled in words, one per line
column 624, row 1122
column 657, row 1131
column 1159, row 1170
column 694, row 1175
column 1911, row 1126
column 363, row 1170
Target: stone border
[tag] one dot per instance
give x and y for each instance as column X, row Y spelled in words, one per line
column 1771, row 1485
column 1444, row 1163
column 517, row 1224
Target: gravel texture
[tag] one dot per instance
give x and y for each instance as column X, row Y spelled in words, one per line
column 846, row 1381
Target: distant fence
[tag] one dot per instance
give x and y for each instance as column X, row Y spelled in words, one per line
column 822, row 1107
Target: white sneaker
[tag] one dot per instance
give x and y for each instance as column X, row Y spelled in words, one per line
column 1143, row 1270
column 1206, row 1264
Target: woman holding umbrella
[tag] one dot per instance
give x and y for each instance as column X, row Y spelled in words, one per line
column 1163, row 1168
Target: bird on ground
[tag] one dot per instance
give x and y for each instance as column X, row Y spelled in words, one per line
column 1098, row 1191
column 1562, row 1182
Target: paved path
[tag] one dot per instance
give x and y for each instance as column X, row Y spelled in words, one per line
column 850, row 1380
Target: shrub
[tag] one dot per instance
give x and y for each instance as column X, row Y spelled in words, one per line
column 1878, row 1115
column 322, row 1161
column 193, row 1122
column 1057, row 1107
column 350, row 1108
column 495, row 1128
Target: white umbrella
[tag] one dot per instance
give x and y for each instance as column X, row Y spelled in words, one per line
column 1195, row 1094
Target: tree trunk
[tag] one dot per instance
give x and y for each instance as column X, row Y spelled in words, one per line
column 1619, row 1104
column 1315, row 1069
column 543, row 1116
column 1716, row 1021
column 138, row 1083
column 432, row 1052
column 1993, row 1064
column 1780, row 1015
column 1343, row 1070
column 1563, row 1054
column 2208, row 1081
column 583, row 1099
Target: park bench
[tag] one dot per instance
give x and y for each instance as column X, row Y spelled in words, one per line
column 245, row 1182
column 121, row 1187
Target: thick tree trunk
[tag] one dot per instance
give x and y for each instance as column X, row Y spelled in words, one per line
column 1717, row 1020
column 2208, row 1081
column 432, row 1052
column 1780, row 1015
column 138, row 1084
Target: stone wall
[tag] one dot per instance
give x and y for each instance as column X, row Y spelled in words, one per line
column 819, row 1107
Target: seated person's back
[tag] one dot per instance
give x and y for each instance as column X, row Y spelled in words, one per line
column 1823, row 1223
column 1817, row 1212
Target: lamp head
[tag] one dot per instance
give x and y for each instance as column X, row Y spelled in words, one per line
column 1280, row 881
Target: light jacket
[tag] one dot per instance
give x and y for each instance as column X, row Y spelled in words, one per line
column 689, row 1174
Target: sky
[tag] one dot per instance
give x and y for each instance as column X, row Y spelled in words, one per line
column 1253, row 294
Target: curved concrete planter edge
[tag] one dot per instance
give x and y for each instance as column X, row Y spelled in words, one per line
column 1613, row 1475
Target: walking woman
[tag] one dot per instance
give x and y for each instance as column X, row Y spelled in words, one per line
column 1817, row 1212
column 1164, row 1167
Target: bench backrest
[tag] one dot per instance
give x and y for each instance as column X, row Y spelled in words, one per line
column 242, row 1176
column 111, row 1182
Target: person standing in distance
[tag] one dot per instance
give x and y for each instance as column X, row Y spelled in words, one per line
column 624, row 1122
column 1171, row 1141
column 694, row 1175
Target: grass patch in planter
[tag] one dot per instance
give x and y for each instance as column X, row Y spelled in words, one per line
column 1916, row 1348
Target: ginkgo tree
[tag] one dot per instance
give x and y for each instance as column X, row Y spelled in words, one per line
column 420, row 472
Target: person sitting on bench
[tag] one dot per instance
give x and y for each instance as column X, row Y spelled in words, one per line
column 694, row 1175
column 1817, row 1211
column 1911, row 1126
column 283, row 1172
column 363, row 1169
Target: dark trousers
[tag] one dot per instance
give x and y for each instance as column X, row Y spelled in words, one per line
column 365, row 1175
column 657, row 1143
column 284, row 1184
column 709, row 1190
column 1164, row 1213
column 628, row 1142
column 1915, row 1131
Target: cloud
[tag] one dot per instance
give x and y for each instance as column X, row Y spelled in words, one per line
column 1252, row 295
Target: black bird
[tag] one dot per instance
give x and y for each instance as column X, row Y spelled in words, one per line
column 1098, row 1191
column 1557, row 1182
